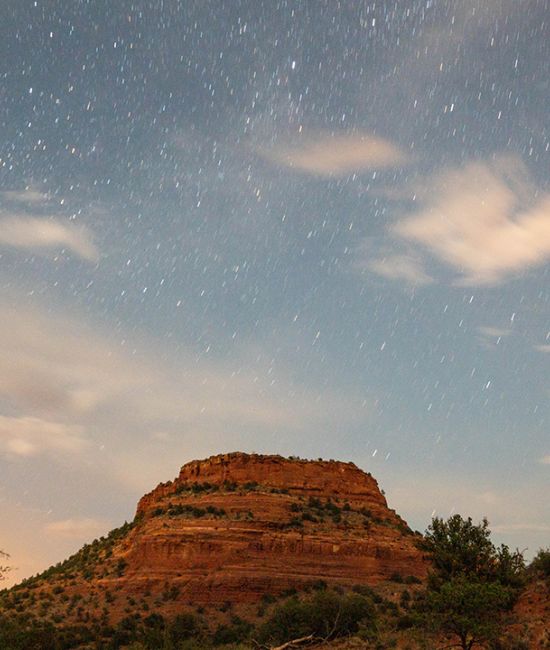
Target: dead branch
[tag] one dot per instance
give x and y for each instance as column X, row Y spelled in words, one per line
column 295, row 643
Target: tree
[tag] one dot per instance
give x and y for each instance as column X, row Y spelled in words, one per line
column 470, row 609
column 458, row 547
column 3, row 568
column 472, row 583
column 540, row 564
column 323, row 616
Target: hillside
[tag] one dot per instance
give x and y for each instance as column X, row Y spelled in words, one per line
column 227, row 542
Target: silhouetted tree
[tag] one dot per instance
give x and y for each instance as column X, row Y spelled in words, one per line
column 3, row 568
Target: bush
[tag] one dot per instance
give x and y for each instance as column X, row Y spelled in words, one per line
column 326, row 614
column 405, row 622
column 120, row 567
column 186, row 626
column 239, row 630
column 541, row 563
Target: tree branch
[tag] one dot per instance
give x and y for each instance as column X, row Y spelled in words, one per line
column 295, row 643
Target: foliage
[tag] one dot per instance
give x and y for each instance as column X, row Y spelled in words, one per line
column 472, row 609
column 187, row 626
column 326, row 614
column 22, row 632
column 239, row 630
column 540, row 564
column 314, row 510
column 86, row 559
column 473, row 584
column 458, row 547
column 3, row 568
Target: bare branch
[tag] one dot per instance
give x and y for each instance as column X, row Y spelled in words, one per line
column 295, row 643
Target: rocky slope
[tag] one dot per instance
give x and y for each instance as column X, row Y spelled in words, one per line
column 230, row 530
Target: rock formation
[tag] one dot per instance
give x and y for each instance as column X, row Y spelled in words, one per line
column 285, row 523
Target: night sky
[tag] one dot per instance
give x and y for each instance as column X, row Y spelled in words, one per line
column 318, row 228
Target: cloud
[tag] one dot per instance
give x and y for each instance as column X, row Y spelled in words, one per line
column 29, row 196
column 521, row 528
column 493, row 332
column 83, row 528
column 490, row 337
column 37, row 233
column 545, row 460
column 484, row 221
column 374, row 255
column 28, row 436
column 337, row 155
column 399, row 267
column 543, row 348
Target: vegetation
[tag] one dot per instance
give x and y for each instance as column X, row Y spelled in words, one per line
column 85, row 561
column 473, row 584
column 325, row 615
column 540, row 565
column 179, row 510
column 3, row 568
column 468, row 596
column 316, row 511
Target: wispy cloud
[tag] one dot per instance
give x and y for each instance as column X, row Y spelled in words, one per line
column 543, row 348
column 407, row 268
column 493, row 332
column 484, row 220
column 83, row 528
column 337, row 155
column 375, row 255
column 40, row 233
column 28, row 436
column 545, row 460
column 521, row 528
column 29, row 196
column 490, row 337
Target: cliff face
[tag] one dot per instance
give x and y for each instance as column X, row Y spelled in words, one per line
column 235, row 527
column 299, row 477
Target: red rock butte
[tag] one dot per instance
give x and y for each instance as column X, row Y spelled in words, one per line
column 236, row 526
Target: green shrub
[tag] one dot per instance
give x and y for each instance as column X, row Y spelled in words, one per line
column 396, row 577
column 541, row 563
column 295, row 523
column 120, row 567
column 186, row 626
column 326, row 614
column 238, row 631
